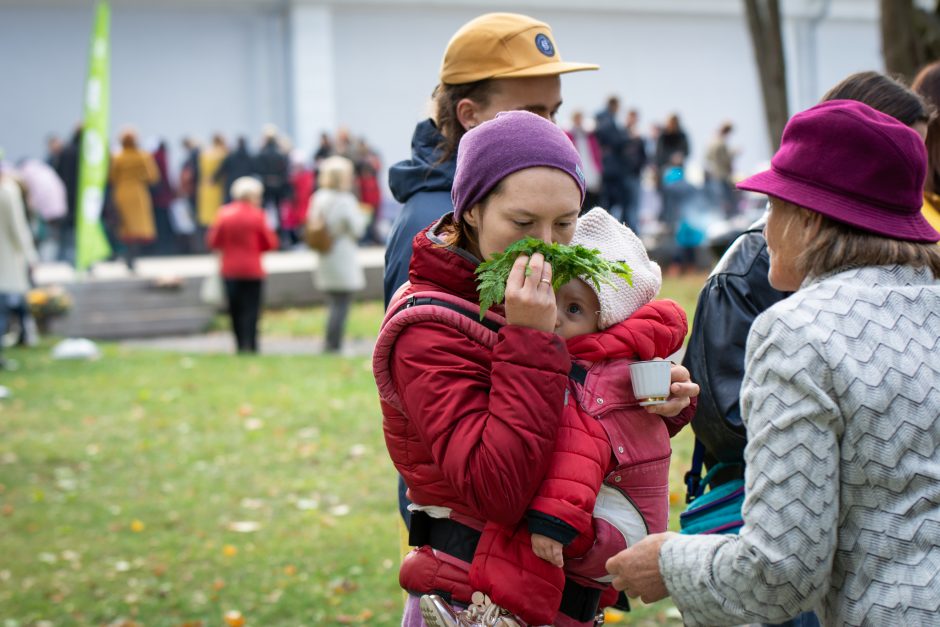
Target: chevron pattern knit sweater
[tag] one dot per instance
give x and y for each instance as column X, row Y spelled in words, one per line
column 842, row 404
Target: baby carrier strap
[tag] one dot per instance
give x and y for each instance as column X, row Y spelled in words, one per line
column 431, row 306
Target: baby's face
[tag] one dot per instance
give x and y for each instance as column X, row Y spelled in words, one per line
column 578, row 309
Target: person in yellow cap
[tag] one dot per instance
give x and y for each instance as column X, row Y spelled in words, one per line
column 495, row 62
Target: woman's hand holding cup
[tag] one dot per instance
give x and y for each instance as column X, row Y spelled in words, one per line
column 530, row 299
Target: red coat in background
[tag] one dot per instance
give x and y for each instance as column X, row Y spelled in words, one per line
column 294, row 209
column 369, row 192
column 241, row 233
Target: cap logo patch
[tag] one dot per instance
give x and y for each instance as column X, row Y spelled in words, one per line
column 544, row 44
column 577, row 170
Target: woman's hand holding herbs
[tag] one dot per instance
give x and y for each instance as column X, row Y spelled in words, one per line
column 529, row 271
column 530, row 299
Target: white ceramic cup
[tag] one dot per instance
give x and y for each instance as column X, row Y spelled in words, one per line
column 651, row 381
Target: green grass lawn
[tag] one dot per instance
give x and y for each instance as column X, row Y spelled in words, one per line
column 155, row 488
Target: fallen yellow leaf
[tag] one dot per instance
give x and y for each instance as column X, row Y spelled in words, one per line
column 229, row 550
column 234, row 618
column 612, row 616
column 137, row 526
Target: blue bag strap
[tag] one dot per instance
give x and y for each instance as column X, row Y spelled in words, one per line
column 695, row 484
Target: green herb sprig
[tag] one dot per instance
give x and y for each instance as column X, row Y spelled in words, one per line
column 568, row 262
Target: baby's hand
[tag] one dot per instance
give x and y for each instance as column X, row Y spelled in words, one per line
column 548, row 549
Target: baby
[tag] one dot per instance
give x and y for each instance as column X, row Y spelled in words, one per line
column 607, row 485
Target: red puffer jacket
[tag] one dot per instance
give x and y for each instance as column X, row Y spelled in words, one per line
column 470, row 427
column 604, row 435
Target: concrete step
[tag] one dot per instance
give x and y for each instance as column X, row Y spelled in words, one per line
column 111, row 303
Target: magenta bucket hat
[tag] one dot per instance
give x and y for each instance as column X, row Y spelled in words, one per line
column 855, row 165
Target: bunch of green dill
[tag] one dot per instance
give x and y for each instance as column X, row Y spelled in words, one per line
column 568, row 262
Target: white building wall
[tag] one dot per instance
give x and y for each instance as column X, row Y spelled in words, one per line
column 175, row 70
column 314, row 93
column 199, row 66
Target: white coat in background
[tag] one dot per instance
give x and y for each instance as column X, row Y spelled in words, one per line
column 340, row 270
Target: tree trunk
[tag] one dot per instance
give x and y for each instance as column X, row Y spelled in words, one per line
column 763, row 19
column 903, row 57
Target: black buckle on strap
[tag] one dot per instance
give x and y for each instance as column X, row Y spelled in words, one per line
column 579, row 602
column 443, row 534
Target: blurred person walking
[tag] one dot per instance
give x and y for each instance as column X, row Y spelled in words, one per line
column 46, row 198
column 719, row 171
column 271, row 165
column 235, row 165
column 324, row 149
column 17, row 251
column 590, row 150
column 634, row 161
column 210, row 192
column 368, row 191
column 67, row 169
column 163, row 194
column 189, row 174
column 612, row 137
column 241, row 234
column 133, row 171
column 294, row 209
column 672, row 146
column 54, row 148
column 339, row 273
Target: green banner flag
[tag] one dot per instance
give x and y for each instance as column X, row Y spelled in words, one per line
column 90, row 241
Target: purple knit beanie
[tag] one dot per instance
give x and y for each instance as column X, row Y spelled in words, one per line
column 512, row 141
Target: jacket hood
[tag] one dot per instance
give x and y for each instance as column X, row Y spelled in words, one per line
column 656, row 329
column 422, row 173
column 440, row 268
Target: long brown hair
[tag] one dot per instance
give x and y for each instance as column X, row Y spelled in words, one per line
column 461, row 234
column 882, row 93
column 927, row 84
column 446, row 98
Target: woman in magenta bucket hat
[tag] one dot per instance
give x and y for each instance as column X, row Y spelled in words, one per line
column 841, row 398
column 852, row 164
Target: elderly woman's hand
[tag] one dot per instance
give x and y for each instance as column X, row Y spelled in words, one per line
column 681, row 391
column 530, row 299
column 636, row 569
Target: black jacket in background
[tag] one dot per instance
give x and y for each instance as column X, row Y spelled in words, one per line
column 235, row 165
column 423, row 185
column 271, row 165
column 67, row 169
column 737, row 291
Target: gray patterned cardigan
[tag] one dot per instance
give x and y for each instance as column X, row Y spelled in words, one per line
column 842, row 405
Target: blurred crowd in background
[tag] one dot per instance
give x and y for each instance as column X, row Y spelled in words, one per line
column 645, row 180
column 150, row 210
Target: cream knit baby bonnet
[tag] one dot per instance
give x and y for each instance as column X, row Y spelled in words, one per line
column 616, row 242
